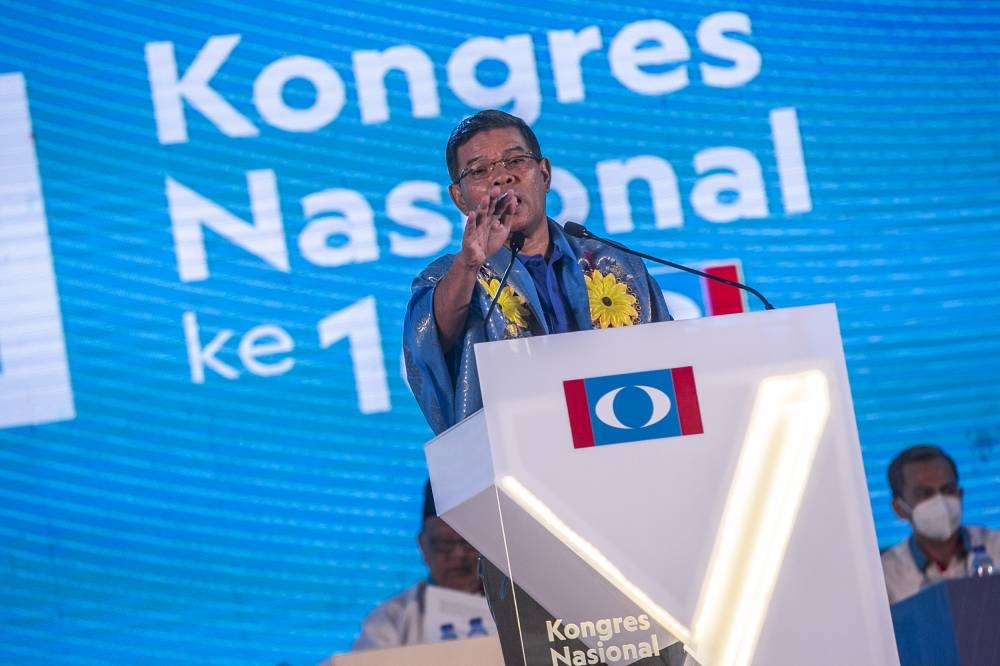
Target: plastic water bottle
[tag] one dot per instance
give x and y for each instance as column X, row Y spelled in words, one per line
column 448, row 631
column 476, row 627
column 982, row 563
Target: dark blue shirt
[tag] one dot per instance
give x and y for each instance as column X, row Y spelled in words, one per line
column 551, row 292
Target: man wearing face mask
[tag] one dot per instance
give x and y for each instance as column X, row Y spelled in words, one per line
column 926, row 494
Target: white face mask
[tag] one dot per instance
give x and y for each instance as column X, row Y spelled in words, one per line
column 937, row 517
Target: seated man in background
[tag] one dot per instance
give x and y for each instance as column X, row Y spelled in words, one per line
column 451, row 563
column 926, row 494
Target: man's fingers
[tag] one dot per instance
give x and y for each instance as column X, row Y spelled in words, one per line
column 471, row 222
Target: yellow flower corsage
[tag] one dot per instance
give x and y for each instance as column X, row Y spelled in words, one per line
column 611, row 302
column 512, row 305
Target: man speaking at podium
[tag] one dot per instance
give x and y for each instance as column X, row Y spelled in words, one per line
column 499, row 180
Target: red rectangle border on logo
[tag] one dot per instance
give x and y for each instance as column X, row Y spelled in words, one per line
column 579, row 413
column 686, row 395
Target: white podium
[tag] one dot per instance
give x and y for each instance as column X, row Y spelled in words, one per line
column 697, row 480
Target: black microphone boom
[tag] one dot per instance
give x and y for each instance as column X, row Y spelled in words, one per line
column 578, row 231
column 516, row 242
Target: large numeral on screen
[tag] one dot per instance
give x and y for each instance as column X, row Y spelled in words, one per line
column 359, row 324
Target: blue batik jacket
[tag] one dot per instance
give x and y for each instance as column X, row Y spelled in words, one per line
column 604, row 287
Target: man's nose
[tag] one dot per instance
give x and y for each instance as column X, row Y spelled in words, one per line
column 501, row 176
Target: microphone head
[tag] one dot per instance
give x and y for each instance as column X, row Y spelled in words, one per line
column 516, row 241
column 575, row 229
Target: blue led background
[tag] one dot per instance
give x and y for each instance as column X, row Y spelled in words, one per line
column 196, row 518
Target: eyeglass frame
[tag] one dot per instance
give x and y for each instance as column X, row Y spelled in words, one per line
column 491, row 166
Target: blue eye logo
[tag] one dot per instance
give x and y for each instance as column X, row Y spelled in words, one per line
column 633, row 407
column 659, row 402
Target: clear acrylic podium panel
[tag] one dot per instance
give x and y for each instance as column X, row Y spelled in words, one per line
column 698, row 481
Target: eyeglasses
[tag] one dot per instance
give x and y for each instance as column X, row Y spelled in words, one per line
column 516, row 164
column 447, row 546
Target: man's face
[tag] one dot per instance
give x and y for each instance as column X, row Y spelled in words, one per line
column 529, row 182
column 451, row 560
column 921, row 481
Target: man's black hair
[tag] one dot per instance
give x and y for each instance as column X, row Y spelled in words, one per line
column 918, row 453
column 490, row 119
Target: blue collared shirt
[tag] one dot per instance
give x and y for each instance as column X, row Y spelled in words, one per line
column 922, row 561
column 551, row 292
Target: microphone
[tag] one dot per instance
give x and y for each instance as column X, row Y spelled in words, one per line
column 501, row 200
column 516, row 241
column 578, row 231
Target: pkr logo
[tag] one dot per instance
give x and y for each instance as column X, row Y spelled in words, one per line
column 633, row 407
column 34, row 374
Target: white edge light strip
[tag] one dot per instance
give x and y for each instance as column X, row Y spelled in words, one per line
column 591, row 555
column 513, row 588
column 787, row 423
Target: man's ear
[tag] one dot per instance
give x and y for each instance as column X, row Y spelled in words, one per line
column 899, row 506
column 455, row 192
column 546, row 168
column 422, row 544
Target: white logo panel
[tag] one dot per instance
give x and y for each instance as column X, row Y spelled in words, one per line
column 34, row 374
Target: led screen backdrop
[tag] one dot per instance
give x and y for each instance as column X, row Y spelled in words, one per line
column 210, row 214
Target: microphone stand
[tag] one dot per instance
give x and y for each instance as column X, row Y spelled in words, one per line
column 516, row 241
column 578, row 231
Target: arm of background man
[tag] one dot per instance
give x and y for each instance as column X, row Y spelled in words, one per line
column 394, row 623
